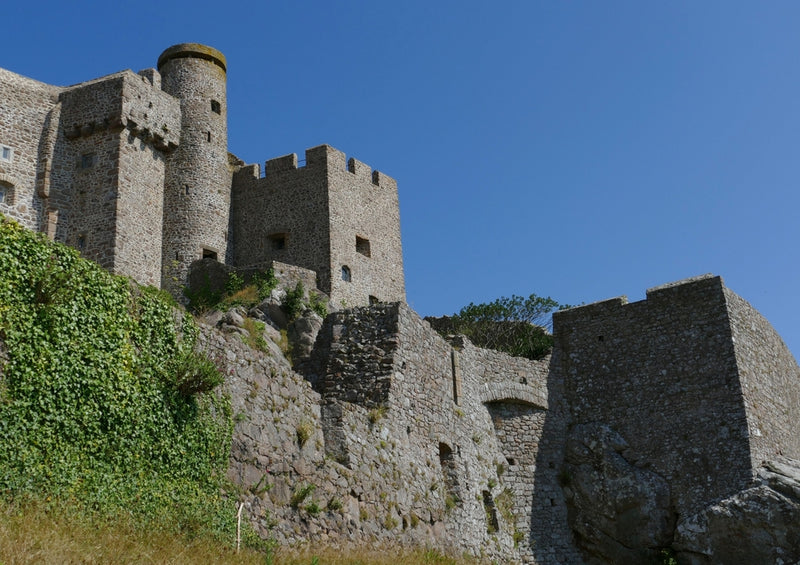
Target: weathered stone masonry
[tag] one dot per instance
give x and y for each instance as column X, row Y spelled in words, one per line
column 665, row 424
column 134, row 171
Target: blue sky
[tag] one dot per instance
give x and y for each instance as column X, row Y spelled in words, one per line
column 581, row 150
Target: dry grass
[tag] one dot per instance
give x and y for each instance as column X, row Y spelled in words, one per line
column 34, row 535
column 364, row 557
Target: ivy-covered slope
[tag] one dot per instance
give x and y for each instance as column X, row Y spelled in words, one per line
column 95, row 408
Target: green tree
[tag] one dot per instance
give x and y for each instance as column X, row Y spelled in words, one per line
column 517, row 325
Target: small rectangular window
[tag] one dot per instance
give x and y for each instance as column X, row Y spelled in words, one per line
column 362, row 246
column 216, row 107
column 6, row 153
column 277, row 241
column 208, row 136
column 87, row 161
column 81, row 242
column 2, row 195
column 209, row 254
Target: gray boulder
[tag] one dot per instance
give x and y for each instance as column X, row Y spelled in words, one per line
column 757, row 525
column 620, row 513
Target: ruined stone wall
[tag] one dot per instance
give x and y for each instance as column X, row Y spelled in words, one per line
column 770, row 382
column 663, row 374
column 24, row 108
column 284, row 215
column 456, row 431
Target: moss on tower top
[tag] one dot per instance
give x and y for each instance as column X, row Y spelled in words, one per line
column 195, row 50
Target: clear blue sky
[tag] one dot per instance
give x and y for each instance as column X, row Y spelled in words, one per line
column 576, row 149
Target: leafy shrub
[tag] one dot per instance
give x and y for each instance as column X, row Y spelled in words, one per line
column 300, row 494
column 517, row 325
column 318, row 304
column 265, row 283
column 194, row 373
column 293, row 303
column 234, row 283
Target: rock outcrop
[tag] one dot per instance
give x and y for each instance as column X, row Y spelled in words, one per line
column 619, row 512
column 757, row 525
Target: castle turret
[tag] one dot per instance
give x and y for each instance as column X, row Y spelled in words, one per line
column 198, row 178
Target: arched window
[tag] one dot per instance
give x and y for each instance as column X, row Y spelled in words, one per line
column 346, row 275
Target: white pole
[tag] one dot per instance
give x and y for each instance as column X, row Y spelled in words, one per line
column 239, row 526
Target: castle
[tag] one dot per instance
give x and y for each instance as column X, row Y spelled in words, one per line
column 659, row 425
column 133, row 170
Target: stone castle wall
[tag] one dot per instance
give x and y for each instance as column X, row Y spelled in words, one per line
column 134, row 171
column 282, row 216
column 770, row 383
column 662, row 373
column 364, row 221
column 24, row 107
column 326, row 216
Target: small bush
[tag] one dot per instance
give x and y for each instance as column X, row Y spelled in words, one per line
column 305, row 430
column 255, row 329
column 293, row 303
column 265, row 283
column 376, row 414
column 313, row 508
column 300, row 494
column 518, row 537
column 234, row 283
column 318, row 304
column 334, row 504
column 194, row 373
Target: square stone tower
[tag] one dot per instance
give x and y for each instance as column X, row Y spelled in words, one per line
column 333, row 216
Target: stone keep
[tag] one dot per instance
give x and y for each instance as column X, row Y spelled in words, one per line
column 134, row 171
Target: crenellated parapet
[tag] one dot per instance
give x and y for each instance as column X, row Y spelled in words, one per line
column 327, row 158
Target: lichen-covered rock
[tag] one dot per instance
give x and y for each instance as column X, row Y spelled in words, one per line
column 758, row 525
column 302, row 334
column 619, row 512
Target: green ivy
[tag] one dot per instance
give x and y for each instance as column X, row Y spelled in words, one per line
column 103, row 401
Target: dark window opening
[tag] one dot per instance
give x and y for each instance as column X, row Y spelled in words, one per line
column 346, row 274
column 80, row 243
column 2, row 195
column 216, row 107
column 186, row 189
column 209, row 254
column 511, row 461
column 362, row 246
column 87, row 160
column 373, row 300
column 208, row 136
column 492, row 525
column 277, row 241
column 450, row 474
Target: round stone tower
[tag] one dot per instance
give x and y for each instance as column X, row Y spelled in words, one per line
column 197, row 191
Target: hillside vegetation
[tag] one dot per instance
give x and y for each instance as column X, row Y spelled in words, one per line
column 104, row 406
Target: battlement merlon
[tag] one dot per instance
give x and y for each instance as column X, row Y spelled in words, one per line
column 327, row 158
column 683, row 287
